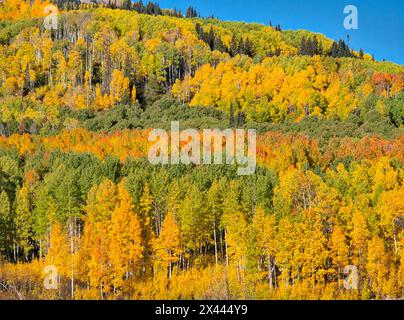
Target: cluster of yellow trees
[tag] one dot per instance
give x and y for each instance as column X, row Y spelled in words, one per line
column 18, row 9
column 288, row 232
column 278, row 89
column 101, row 58
column 94, row 64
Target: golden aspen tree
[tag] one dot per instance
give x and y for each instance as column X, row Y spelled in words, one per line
column 99, row 272
column 264, row 230
column 146, row 206
column 101, row 101
column 392, row 286
column 125, row 239
column 59, row 251
column 62, row 68
column 167, row 246
column 87, row 88
column 359, row 236
column 182, row 89
column 73, row 68
column 376, row 265
column 119, row 87
column 133, row 95
column 286, row 239
column 311, row 254
column 339, row 248
column 400, row 272
column 101, row 203
column 214, row 202
column 237, row 244
column 390, row 208
column 82, row 257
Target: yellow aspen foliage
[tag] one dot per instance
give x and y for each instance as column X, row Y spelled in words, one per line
column 125, row 239
column 400, row 273
column 13, row 9
column 313, row 256
column 392, row 287
column 73, row 68
column 264, row 231
column 52, row 98
column 339, row 248
column 100, row 205
column 376, row 266
column 100, row 101
column 285, row 239
column 237, row 240
column 79, row 101
column 87, row 90
column 146, row 206
column 398, row 84
column 59, row 251
column 182, row 89
column 111, row 244
column 119, row 87
column 384, row 176
column 62, row 68
column 391, row 209
column 359, row 236
column 167, row 246
column 133, row 95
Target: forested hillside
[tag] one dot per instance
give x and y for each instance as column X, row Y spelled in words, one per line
column 77, row 191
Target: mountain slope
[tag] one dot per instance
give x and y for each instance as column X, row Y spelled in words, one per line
column 100, row 58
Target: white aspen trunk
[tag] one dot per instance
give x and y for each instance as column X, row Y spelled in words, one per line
column 215, row 239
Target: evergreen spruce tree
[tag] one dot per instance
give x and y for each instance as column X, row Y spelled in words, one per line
column 303, row 47
column 234, row 49
column 361, row 54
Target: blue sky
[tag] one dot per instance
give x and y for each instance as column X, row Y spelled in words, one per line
column 381, row 23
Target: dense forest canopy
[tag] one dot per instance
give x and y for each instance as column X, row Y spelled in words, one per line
column 77, row 191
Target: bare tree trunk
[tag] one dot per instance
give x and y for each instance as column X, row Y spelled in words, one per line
column 270, row 271
column 395, row 240
column 72, row 260
column 227, row 254
column 214, row 237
